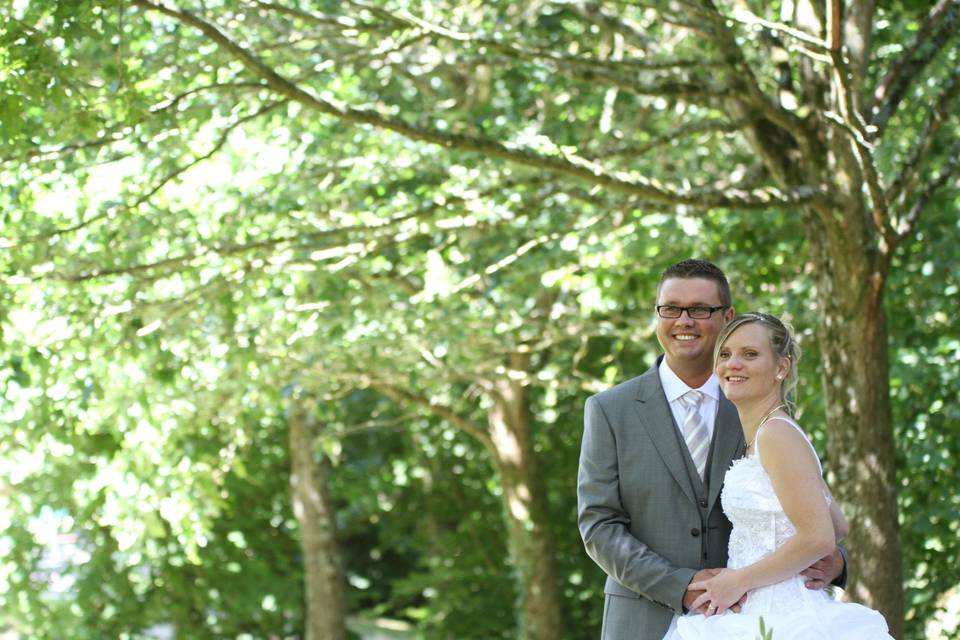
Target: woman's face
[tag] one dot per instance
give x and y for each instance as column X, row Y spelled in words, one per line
column 746, row 365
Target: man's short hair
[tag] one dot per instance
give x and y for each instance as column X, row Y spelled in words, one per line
column 692, row 268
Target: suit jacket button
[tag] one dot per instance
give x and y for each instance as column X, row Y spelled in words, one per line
column 703, row 503
column 695, row 532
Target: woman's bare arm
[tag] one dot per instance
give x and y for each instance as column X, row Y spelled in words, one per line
column 795, row 474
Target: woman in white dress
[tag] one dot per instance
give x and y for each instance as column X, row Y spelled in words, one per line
column 783, row 517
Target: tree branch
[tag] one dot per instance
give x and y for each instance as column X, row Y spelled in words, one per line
column 336, row 251
column 350, row 238
column 718, row 125
column 514, row 50
column 224, row 136
column 747, row 18
column 940, row 25
column 110, row 137
column 613, row 22
column 578, row 67
column 910, row 168
column 860, row 142
column 559, row 163
column 401, row 422
column 506, row 261
column 41, row 152
column 339, row 22
column 773, row 131
column 950, row 169
column 216, row 86
column 441, row 411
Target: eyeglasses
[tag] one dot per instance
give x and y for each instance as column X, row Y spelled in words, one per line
column 695, row 313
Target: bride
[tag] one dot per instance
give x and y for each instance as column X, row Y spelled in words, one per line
column 783, row 516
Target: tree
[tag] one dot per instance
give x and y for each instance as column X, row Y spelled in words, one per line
column 314, row 509
column 165, row 479
column 680, row 107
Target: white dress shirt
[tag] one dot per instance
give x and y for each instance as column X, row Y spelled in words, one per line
column 674, row 388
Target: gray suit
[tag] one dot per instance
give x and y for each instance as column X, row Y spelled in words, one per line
column 644, row 515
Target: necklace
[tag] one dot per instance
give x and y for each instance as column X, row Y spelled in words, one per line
column 762, row 421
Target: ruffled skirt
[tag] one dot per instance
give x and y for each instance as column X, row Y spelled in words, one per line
column 826, row 620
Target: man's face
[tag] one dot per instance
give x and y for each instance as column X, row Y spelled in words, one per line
column 688, row 343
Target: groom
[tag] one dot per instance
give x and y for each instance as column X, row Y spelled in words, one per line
column 649, row 509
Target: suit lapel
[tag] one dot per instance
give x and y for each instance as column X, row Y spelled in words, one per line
column 728, row 444
column 655, row 416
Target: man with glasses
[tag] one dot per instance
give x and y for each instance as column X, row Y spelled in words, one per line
column 654, row 453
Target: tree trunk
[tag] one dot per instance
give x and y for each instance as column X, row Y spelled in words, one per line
column 850, row 264
column 525, row 505
column 325, row 606
column 853, row 339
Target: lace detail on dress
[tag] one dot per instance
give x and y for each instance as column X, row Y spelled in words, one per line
column 794, row 612
column 759, row 527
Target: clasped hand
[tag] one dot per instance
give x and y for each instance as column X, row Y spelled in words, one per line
column 721, row 592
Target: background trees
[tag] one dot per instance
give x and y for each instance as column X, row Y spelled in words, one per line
column 439, row 226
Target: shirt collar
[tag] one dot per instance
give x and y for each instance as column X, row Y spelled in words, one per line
column 674, row 387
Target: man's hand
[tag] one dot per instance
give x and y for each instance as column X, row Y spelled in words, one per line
column 820, row 573
column 690, row 596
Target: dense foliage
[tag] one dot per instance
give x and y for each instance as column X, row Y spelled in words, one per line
column 458, row 197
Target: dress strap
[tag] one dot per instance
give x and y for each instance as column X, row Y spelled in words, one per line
column 756, row 441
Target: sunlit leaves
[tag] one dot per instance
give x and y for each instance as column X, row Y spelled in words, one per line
column 181, row 248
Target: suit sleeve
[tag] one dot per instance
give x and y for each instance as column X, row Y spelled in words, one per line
column 841, row 580
column 605, row 525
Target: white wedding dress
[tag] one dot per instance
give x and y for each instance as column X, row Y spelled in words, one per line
column 791, row 610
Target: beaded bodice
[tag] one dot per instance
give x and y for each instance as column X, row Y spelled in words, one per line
column 788, row 608
column 760, row 526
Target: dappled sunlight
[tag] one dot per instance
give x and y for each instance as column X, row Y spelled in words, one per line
column 518, row 506
column 441, row 226
column 505, row 442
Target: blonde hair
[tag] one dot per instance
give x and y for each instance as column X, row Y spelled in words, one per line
column 782, row 342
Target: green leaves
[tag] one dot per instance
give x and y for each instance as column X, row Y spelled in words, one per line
column 184, row 243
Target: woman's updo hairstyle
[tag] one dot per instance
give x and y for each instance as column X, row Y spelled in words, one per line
column 781, row 341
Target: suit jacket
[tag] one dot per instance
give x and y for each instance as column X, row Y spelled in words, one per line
column 644, row 515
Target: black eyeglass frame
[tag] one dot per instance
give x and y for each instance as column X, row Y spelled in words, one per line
column 698, row 316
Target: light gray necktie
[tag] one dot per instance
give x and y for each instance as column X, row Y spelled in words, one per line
column 695, row 430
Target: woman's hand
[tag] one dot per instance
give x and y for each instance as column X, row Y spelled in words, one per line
column 722, row 592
